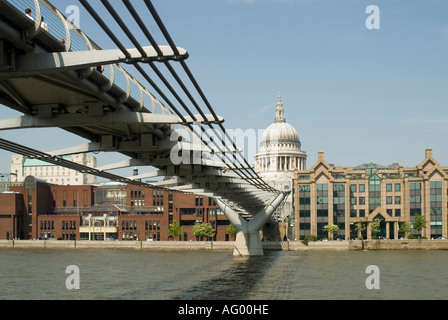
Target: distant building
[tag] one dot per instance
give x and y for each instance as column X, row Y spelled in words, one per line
column 22, row 167
column 344, row 196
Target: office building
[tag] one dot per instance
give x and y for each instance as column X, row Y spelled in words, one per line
column 344, row 196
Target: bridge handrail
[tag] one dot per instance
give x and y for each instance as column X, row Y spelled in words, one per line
column 74, row 39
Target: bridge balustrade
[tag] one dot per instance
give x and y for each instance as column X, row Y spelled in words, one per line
column 118, row 80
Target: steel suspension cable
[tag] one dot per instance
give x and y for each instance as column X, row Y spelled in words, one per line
column 262, row 184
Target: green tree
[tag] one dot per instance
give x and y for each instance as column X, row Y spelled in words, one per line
column 175, row 229
column 375, row 225
column 331, row 229
column 419, row 223
column 231, row 230
column 308, row 238
column 359, row 228
column 405, row 228
column 203, row 230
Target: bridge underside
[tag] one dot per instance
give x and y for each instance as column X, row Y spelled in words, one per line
column 59, row 83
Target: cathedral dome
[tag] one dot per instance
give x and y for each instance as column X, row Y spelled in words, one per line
column 280, row 131
column 280, row 148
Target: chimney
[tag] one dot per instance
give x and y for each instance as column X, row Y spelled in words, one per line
column 320, row 156
column 428, row 153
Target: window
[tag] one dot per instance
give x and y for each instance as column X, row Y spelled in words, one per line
column 322, row 200
column 388, row 200
column 397, row 200
column 397, row 187
column 362, row 188
column 322, row 213
column 435, row 209
column 305, row 213
column 322, row 187
column 185, row 211
column 353, row 188
column 305, row 226
column 374, row 183
column 389, row 187
column 414, row 186
column 435, row 184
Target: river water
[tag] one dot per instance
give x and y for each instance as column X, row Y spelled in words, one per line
column 213, row 275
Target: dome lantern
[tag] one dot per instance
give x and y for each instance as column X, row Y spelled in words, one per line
column 280, row 112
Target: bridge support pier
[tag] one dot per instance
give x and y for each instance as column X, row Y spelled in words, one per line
column 248, row 244
column 248, row 241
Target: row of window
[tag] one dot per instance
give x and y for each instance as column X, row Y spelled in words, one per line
column 362, row 200
column 340, row 214
column 137, row 193
column 49, row 225
column 436, row 200
column 68, row 235
column 132, row 225
column 155, row 236
column 139, row 203
column 361, row 187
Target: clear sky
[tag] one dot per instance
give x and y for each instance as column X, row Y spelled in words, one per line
column 359, row 95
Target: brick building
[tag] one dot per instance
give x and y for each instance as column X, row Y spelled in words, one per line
column 110, row 211
column 12, row 215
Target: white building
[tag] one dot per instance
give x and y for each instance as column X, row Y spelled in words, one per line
column 21, row 167
column 279, row 155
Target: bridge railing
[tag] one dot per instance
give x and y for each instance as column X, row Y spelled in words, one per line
column 50, row 20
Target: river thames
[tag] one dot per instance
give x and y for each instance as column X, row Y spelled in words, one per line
column 212, row 275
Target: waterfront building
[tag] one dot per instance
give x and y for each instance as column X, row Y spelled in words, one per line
column 344, row 196
column 12, row 213
column 111, row 211
column 22, row 167
column 279, row 155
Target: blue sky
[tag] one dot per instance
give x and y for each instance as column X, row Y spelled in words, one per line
column 359, row 95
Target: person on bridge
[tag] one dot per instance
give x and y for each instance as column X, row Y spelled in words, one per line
column 28, row 13
column 44, row 25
